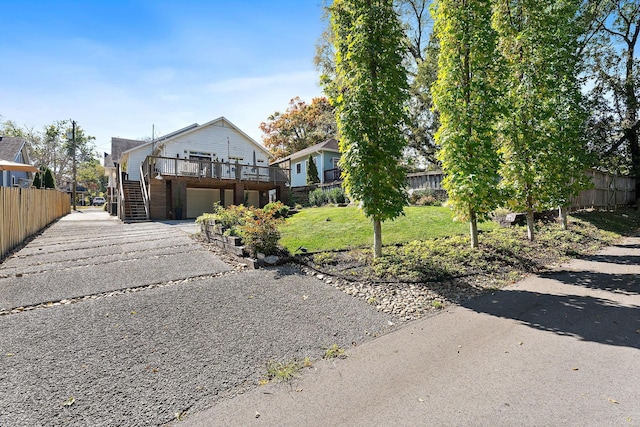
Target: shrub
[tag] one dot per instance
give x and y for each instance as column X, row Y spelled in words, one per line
column 336, row 195
column 425, row 197
column 318, row 197
column 277, row 209
column 260, row 232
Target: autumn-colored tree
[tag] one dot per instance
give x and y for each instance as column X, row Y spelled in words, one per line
column 300, row 126
column 370, row 91
column 466, row 96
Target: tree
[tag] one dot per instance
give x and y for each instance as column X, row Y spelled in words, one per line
column 369, row 100
column 615, row 78
column 420, row 55
column 541, row 134
column 48, row 180
column 301, row 126
column 54, row 150
column 466, row 96
column 312, row 172
column 91, row 175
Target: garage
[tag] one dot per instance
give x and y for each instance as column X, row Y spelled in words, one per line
column 201, row 200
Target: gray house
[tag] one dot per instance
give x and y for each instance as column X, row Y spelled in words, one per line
column 14, row 150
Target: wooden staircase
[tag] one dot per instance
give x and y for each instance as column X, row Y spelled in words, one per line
column 134, row 210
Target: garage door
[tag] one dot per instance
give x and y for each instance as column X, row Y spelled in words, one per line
column 201, row 200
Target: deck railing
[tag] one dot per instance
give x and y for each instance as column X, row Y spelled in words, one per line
column 169, row 166
column 332, row 175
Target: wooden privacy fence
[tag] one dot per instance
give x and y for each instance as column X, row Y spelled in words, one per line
column 608, row 191
column 25, row 211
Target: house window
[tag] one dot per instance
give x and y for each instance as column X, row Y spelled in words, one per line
column 335, row 161
column 298, row 167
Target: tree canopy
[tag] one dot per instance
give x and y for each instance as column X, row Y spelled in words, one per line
column 369, row 92
column 300, row 126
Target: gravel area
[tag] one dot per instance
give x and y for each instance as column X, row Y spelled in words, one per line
column 149, row 357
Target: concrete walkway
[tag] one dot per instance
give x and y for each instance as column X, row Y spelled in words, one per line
column 562, row 348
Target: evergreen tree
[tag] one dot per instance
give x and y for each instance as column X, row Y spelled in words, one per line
column 312, row 172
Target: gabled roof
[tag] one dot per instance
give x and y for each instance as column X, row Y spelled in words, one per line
column 196, row 127
column 10, row 147
column 328, row 145
column 119, row 146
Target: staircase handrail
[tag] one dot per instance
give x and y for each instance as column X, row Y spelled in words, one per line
column 145, row 191
column 121, row 195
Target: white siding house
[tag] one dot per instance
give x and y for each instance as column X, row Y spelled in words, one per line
column 198, row 165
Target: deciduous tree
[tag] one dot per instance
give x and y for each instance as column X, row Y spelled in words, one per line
column 541, row 133
column 614, row 72
column 300, row 126
column 369, row 97
column 466, row 95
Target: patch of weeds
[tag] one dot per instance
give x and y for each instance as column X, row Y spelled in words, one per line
column 333, row 352
column 437, row 305
column 371, row 301
column 325, row 258
column 283, row 371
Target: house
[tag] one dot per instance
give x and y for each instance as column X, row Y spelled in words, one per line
column 182, row 174
column 326, row 156
column 16, row 170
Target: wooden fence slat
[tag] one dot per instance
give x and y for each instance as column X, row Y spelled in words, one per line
column 25, row 211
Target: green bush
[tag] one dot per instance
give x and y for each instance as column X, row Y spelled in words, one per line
column 336, row 195
column 257, row 227
column 278, row 209
column 426, row 197
column 318, row 197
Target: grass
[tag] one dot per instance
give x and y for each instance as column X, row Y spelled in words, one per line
column 504, row 256
column 333, row 352
column 337, row 228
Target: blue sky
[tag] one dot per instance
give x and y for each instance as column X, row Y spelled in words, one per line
column 119, row 67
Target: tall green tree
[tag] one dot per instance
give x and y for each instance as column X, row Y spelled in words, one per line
column 420, row 55
column 541, row 135
column 369, row 100
column 466, row 96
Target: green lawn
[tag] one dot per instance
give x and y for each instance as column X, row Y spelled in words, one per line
column 331, row 228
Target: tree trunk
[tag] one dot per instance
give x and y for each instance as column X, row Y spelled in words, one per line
column 377, row 238
column 473, row 228
column 562, row 212
column 530, row 224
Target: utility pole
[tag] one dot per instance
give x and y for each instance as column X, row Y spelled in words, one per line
column 73, row 144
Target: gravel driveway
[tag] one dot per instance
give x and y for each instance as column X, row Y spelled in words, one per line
column 193, row 332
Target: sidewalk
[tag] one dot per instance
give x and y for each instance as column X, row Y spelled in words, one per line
column 561, row 348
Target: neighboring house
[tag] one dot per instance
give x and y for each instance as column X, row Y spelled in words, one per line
column 326, row 156
column 14, row 149
column 182, row 174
